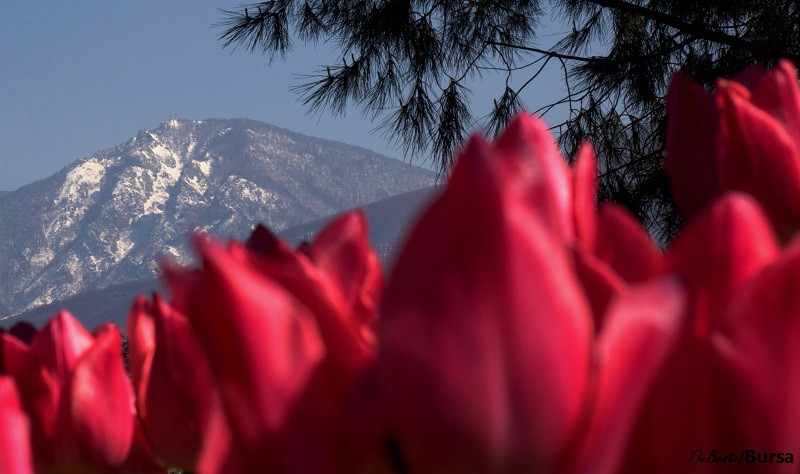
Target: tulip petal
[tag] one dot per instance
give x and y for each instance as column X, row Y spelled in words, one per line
column 718, row 252
column 716, row 257
column 39, row 392
column 263, row 241
column 141, row 459
column 141, row 341
column 626, row 246
column 96, row 414
column 60, row 343
column 181, row 283
column 723, row 389
column 600, row 284
column 365, row 420
column 342, row 252
column 778, row 94
column 338, row 278
column 261, row 343
column 695, row 160
column 763, row 160
column 221, row 452
column 529, row 153
column 584, row 186
column 485, row 365
column 641, row 331
column 759, row 348
column 15, row 445
column 179, row 391
column 24, row 331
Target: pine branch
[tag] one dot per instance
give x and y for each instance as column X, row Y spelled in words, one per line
column 551, row 54
column 694, row 28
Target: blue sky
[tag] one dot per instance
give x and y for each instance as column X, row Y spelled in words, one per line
column 81, row 76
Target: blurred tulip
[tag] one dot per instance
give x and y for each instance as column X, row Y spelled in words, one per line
column 74, row 387
column 287, row 333
column 530, row 162
column 15, row 444
column 726, row 386
column 338, row 277
column 174, row 390
column 610, row 248
column 489, row 359
column 745, row 137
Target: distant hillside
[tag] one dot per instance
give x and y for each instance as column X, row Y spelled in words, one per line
column 103, row 220
column 389, row 220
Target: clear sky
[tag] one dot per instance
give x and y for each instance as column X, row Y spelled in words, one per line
column 80, row 76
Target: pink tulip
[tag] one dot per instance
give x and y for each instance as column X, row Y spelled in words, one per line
column 338, row 277
column 730, row 385
column 745, row 137
column 611, row 249
column 287, row 333
column 172, row 380
column 74, row 387
column 489, row 358
column 530, row 161
column 564, row 200
column 15, row 444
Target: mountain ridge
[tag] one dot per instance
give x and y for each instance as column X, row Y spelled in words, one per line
column 104, row 218
column 389, row 221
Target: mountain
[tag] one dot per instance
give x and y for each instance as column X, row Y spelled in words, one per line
column 105, row 219
column 389, row 221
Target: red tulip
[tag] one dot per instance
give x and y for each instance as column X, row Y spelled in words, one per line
column 489, row 360
column 338, row 277
column 611, row 249
column 528, row 156
column 172, row 380
column 624, row 255
column 730, row 385
column 75, row 390
column 287, row 333
column 745, row 137
column 15, row 445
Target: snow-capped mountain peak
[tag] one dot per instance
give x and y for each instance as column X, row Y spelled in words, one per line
column 105, row 218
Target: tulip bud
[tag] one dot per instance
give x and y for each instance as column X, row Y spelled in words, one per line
column 175, row 392
column 745, row 137
column 74, row 387
column 489, row 360
column 297, row 333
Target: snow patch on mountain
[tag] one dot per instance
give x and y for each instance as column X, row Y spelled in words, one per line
column 81, row 182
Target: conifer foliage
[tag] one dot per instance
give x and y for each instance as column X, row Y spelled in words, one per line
column 408, row 64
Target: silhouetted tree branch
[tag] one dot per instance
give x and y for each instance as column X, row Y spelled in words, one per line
column 408, row 64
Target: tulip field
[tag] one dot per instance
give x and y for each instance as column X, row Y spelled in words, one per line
column 522, row 329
